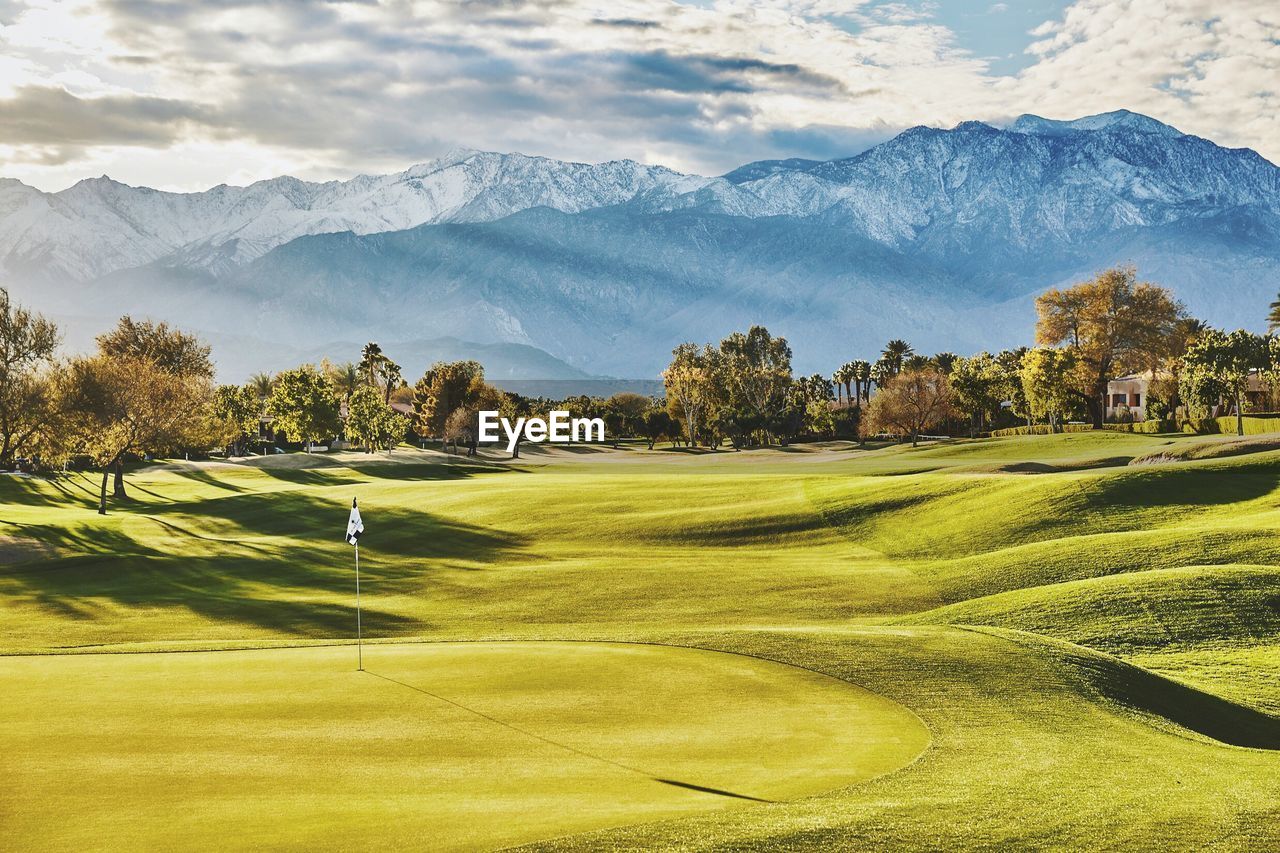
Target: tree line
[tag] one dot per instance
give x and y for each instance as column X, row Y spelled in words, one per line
column 1112, row 325
column 149, row 389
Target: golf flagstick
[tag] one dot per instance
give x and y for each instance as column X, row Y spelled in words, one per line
column 355, row 526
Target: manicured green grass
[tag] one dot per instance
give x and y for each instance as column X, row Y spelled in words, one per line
column 1118, row 695
column 470, row 744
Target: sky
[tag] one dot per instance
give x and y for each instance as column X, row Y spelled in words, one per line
column 187, row 95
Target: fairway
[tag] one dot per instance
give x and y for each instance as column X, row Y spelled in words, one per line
column 1021, row 643
column 470, row 744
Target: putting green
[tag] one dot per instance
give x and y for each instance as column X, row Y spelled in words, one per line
column 450, row 745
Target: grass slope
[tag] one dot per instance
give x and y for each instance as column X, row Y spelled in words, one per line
column 1119, row 693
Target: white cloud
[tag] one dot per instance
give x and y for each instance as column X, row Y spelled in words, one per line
column 235, row 91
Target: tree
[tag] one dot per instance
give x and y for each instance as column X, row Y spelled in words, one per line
column 895, row 354
column 917, row 362
column 113, row 406
column 1114, row 325
column 945, row 362
column 344, row 378
column 373, row 423
column 862, row 381
column 880, row 373
column 1009, row 363
column 370, row 363
column 1273, row 317
column 27, row 344
column 1047, row 375
column 445, row 387
column 236, row 413
column 1217, row 366
column 379, row 371
column 657, row 423
column 755, row 368
column 980, row 386
column 463, row 423
column 262, row 385
column 624, row 414
column 303, row 406
column 843, row 379
column 689, row 382
column 912, row 402
column 171, row 350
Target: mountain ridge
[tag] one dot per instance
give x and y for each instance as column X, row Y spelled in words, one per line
column 606, row 266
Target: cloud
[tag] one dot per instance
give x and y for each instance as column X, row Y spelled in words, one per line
column 327, row 89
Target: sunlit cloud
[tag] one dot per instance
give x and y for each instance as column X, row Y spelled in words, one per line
column 325, row 89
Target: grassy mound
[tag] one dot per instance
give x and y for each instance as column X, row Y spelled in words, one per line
column 1210, row 450
column 1136, row 612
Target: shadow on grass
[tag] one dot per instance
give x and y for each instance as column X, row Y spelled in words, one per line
column 291, row 576
column 1201, row 712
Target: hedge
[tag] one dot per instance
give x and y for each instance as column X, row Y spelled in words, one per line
column 1152, row 426
column 1038, row 429
column 1255, row 424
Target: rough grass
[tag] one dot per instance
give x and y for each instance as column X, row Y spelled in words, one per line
column 1120, row 689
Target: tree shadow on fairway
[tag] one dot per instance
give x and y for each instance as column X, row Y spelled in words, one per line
column 274, row 562
column 76, row 488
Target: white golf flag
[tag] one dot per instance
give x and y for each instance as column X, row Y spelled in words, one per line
column 354, row 525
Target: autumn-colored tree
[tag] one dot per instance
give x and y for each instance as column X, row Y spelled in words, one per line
column 173, row 351
column 445, row 387
column 690, row 384
column 1114, row 324
column 912, row 402
column 27, row 344
column 112, row 406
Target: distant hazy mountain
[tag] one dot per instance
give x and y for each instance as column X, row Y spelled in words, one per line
column 940, row 236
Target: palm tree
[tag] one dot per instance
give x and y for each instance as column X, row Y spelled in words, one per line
column 915, row 364
column 371, row 359
column 945, row 362
column 1273, row 319
column 862, row 380
column 881, row 372
column 346, row 379
column 843, row 377
column 894, row 353
column 262, row 384
column 391, row 378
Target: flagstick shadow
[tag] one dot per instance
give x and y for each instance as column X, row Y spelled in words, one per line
column 564, row 746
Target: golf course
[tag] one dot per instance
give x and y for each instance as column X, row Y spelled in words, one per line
column 1035, row 642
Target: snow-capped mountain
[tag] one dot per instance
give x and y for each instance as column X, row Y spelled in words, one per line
column 942, row 236
column 99, row 225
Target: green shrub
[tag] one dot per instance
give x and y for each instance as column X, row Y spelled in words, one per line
column 1255, row 424
column 1038, row 429
column 1146, row 427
